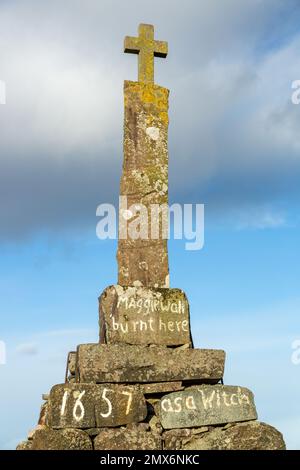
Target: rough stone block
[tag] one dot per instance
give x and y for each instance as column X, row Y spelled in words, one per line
column 161, row 387
column 127, row 439
column 144, row 182
column 207, row 405
column 100, row 363
column 32, row 433
column 43, row 418
column 174, row 439
column 242, row 436
column 72, row 362
column 88, row 405
column 66, row 439
column 140, row 315
column 24, row 445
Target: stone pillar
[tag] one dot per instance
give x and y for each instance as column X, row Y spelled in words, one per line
column 144, row 181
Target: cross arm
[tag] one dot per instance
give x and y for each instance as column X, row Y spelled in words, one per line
column 161, row 49
column 131, row 45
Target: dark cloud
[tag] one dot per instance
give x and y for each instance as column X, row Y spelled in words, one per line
column 233, row 132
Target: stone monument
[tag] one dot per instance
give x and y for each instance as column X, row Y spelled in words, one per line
column 144, row 386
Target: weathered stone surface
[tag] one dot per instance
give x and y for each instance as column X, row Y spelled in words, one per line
column 141, row 315
column 127, row 439
column 243, row 436
column 24, row 445
column 153, row 406
column 138, row 427
column 72, row 362
column 155, row 425
column 142, row 250
column 88, row 405
column 100, row 363
column 207, row 405
column 183, row 347
column 161, row 387
column 43, row 418
column 66, row 439
column 176, row 438
column 32, row 433
column 147, row 48
column 92, row 432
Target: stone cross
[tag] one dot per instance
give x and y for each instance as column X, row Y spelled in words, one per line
column 143, row 260
column 147, row 48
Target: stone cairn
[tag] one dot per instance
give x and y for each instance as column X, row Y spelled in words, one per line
column 144, row 386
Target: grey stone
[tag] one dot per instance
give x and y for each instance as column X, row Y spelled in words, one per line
column 92, row 432
column 207, row 405
column 66, row 439
column 100, row 363
column 140, row 315
column 242, row 436
column 144, row 181
column 43, row 418
column 24, row 445
column 32, row 433
column 72, row 362
column 154, row 407
column 155, row 425
column 88, row 405
column 183, row 347
column 138, row 427
column 201, row 430
column 127, row 439
column 172, row 440
column 161, row 387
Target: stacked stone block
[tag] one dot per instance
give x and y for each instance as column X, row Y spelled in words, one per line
column 145, row 387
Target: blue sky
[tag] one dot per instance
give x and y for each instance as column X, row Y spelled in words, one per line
column 234, row 146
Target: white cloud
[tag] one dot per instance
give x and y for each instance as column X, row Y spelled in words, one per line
column 260, row 219
column 27, row 349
